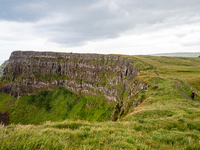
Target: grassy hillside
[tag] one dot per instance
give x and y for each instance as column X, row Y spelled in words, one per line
column 165, row 119
column 6, row 102
column 57, row 105
column 187, row 70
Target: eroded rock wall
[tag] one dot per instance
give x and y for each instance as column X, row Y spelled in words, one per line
column 109, row 75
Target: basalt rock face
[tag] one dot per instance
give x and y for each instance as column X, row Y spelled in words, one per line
column 2, row 67
column 112, row 76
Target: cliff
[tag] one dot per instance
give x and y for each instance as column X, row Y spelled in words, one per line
column 112, row 76
column 2, row 67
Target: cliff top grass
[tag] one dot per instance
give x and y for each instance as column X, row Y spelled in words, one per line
column 164, row 120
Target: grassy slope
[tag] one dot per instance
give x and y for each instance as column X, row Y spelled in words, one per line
column 165, row 119
column 58, row 105
column 5, row 102
column 187, row 70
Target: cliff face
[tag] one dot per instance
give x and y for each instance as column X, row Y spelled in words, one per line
column 111, row 76
column 2, row 67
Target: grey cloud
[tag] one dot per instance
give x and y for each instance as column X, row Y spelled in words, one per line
column 34, row 10
column 100, row 19
column 20, row 11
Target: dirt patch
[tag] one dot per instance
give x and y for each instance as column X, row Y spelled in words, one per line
column 4, row 118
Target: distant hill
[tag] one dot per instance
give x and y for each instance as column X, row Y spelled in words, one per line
column 2, row 67
column 188, row 54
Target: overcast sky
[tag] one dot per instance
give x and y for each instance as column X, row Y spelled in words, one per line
column 100, row 26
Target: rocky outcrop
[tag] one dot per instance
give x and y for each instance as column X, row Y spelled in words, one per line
column 112, row 76
column 2, row 67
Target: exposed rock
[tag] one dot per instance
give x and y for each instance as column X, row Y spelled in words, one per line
column 108, row 75
column 116, row 111
column 2, row 67
column 99, row 73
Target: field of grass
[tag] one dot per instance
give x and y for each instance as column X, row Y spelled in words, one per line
column 164, row 120
column 186, row 70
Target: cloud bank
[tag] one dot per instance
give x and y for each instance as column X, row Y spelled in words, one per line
column 102, row 26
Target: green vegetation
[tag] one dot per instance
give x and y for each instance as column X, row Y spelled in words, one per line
column 165, row 119
column 58, row 105
column 186, row 70
column 6, row 102
column 47, row 77
column 2, row 81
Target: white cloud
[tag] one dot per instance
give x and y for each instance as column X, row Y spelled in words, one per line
column 101, row 26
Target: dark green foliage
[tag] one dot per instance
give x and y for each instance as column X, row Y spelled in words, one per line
column 6, row 102
column 193, row 148
column 41, row 100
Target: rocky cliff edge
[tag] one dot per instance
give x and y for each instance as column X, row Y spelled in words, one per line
column 112, row 76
